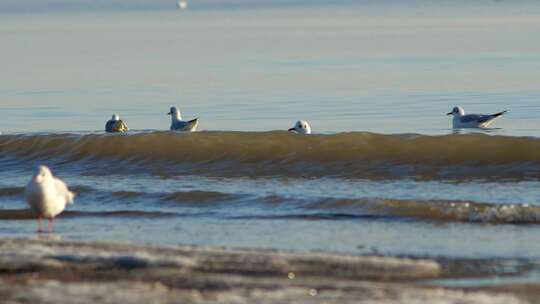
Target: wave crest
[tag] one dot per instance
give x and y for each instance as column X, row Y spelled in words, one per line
column 425, row 210
column 355, row 155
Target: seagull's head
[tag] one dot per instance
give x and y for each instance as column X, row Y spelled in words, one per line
column 457, row 111
column 301, row 127
column 174, row 112
column 42, row 172
column 116, row 117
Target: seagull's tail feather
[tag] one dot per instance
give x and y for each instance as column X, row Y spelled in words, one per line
column 70, row 196
column 192, row 124
column 499, row 114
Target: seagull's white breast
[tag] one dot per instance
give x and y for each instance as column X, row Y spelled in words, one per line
column 49, row 197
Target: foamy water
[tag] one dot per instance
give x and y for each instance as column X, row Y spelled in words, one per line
column 384, row 173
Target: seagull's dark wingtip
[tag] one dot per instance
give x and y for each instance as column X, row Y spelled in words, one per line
column 500, row 113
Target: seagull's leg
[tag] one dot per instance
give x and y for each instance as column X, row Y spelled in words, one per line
column 39, row 224
column 51, row 224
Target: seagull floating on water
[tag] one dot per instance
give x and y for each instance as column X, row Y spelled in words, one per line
column 301, row 127
column 181, row 4
column 47, row 195
column 472, row 120
column 177, row 124
column 115, row 124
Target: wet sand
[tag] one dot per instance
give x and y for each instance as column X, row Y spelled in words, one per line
column 46, row 270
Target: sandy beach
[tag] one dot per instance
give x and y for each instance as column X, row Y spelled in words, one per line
column 54, row 271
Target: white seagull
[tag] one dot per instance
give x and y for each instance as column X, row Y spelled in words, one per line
column 181, row 4
column 115, row 124
column 301, row 127
column 472, row 120
column 47, row 195
column 177, row 124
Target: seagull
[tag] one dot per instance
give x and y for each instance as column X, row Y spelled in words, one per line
column 472, row 120
column 181, row 4
column 301, row 127
column 116, row 125
column 47, row 195
column 177, row 124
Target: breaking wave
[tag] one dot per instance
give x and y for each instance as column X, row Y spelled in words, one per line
column 436, row 210
column 348, row 155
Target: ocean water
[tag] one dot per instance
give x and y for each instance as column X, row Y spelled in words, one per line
column 384, row 173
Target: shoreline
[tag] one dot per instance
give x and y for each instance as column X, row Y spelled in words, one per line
column 52, row 271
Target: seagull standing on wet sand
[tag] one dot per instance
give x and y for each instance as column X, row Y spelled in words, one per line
column 472, row 120
column 301, row 127
column 115, row 124
column 177, row 124
column 47, row 195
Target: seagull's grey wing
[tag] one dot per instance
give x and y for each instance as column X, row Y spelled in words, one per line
column 63, row 191
column 179, row 125
column 486, row 118
column 479, row 118
column 475, row 118
column 109, row 126
column 185, row 125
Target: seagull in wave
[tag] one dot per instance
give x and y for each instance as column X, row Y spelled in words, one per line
column 177, row 124
column 47, row 195
column 301, row 127
column 115, row 124
column 462, row 120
